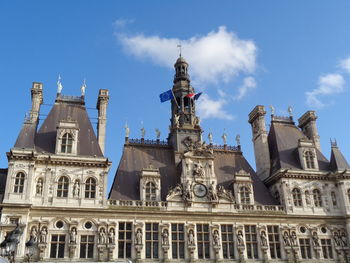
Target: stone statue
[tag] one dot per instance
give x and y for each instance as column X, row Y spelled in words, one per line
column 158, row 134
column 307, row 198
column 223, row 193
column 263, row 238
column 191, row 238
column 212, row 195
column 344, row 239
column 138, row 237
column 272, row 108
column 43, row 235
column 176, row 120
column 143, row 132
column 39, row 187
column 337, row 239
column 177, row 190
column 286, row 239
column 34, row 234
column 59, row 85
column 198, row 170
column 290, row 111
column 188, row 192
column 240, row 240
column 165, row 237
column 76, row 189
column 197, row 121
column 83, row 87
column 238, row 140
column 216, row 238
column 127, row 130
column 315, row 239
column 293, row 239
column 210, row 137
column 224, row 138
column 102, row 236
column 111, row 236
column 73, row 236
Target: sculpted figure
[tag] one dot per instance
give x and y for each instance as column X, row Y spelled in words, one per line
column 188, row 192
column 216, row 238
column 294, row 239
column 240, row 240
column 73, row 235
column 191, row 238
column 337, row 239
column 224, row 138
column 286, row 239
column 198, row 170
column 176, row 120
column 212, row 192
column 138, row 237
column 143, row 132
column 111, row 236
column 76, row 189
column 165, row 237
column 39, row 187
column 315, row 239
column 158, row 134
column 34, row 234
column 263, row 238
column 344, row 239
column 102, row 236
column 43, row 235
column 127, row 131
column 210, row 137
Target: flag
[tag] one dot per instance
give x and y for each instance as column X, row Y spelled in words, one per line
column 195, row 96
column 168, row 95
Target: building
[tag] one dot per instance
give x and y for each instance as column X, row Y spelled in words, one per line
column 183, row 200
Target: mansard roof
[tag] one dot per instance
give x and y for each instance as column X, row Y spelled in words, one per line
column 283, row 145
column 338, row 161
column 44, row 140
column 138, row 156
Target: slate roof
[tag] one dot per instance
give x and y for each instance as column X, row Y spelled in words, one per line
column 136, row 157
column 338, row 161
column 3, row 176
column 44, row 140
column 283, row 145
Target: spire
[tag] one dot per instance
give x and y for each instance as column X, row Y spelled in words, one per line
column 181, row 70
column 338, row 161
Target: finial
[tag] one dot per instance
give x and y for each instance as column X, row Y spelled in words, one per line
column 158, row 134
column 210, row 137
column 127, row 130
column 59, row 85
column 290, row 111
column 83, row 87
column 224, row 137
column 333, row 143
column 238, row 140
column 143, row 131
column 272, row 108
column 180, row 49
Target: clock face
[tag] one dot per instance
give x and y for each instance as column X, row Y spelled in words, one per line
column 200, row 190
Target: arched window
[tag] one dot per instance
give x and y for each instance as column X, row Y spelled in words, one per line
column 151, row 191
column 317, row 197
column 62, row 187
column 297, row 197
column 245, row 195
column 310, row 160
column 19, row 183
column 67, row 143
column 90, row 188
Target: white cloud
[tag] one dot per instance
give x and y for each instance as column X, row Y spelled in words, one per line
column 122, row 22
column 345, row 64
column 249, row 83
column 208, row 108
column 327, row 85
column 218, row 56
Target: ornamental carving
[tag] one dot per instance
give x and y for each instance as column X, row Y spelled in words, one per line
column 197, row 148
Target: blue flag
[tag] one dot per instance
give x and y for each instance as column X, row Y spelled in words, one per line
column 168, row 95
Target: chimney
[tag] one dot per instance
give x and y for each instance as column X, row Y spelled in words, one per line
column 261, row 146
column 37, row 100
column 101, row 106
column 307, row 123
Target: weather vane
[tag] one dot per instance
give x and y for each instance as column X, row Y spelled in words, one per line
column 180, row 48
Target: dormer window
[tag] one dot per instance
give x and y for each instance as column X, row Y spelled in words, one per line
column 151, row 191
column 243, row 188
column 150, row 184
column 307, row 154
column 67, row 143
column 245, row 195
column 310, row 160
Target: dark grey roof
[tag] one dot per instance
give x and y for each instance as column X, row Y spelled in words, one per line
column 3, row 177
column 45, row 139
column 136, row 157
column 26, row 137
column 338, row 161
column 283, row 145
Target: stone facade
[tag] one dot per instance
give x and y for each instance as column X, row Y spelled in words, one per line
column 183, row 200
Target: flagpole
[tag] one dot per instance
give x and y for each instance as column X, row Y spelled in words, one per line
column 174, row 98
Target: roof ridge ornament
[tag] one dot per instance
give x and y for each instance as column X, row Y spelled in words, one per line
column 333, row 143
column 272, row 108
column 224, row 137
column 290, row 111
column 83, row 88
column 59, row 85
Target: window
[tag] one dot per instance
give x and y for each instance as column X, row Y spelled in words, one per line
column 274, row 241
column 317, row 198
column 349, row 194
column 19, row 183
column 152, row 240
column 326, row 244
column 310, row 160
column 278, row 197
column 178, row 240
column 67, row 143
column 305, row 247
column 124, row 240
column 87, row 243
column 245, row 195
column 334, row 199
column 151, row 191
column 297, row 197
column 57, row 246
column 251, row 242
column 203, row 241
column 227, row 237
column 90, row 188
column 62, row 187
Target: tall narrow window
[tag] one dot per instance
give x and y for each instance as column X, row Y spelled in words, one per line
column 87, row 243
column 251, row 242
column 62, row 187
column 57, row 246
column 124, row 240
column 203, row 241
column 349, row 195
column 67, row 143
column 274, row 241
column 317, row 197
column 151, row 191
column 326, row 244
column 297, row 197
column 178, row 240
column 310, row 160
column 152, row 240
column 90, row 188
column 305, row 248
column 19, row 183
column 245, row 195
column 228, row 245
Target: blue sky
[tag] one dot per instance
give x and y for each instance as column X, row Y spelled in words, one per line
column 241, row 53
